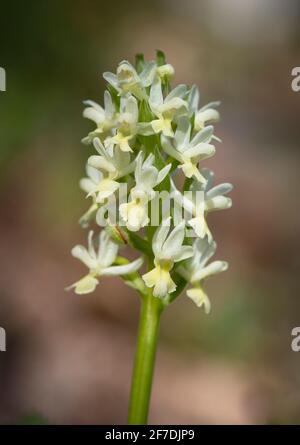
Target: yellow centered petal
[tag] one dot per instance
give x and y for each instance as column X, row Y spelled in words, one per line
column 135, row 214
column 163, row 125
column 86, row 285
column 160, row 279
column 190, row 169
column 106, row 188
column 200, row 298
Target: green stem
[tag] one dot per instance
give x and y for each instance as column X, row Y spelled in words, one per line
column 144, row 360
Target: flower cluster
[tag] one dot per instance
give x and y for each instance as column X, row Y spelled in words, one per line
column 145, row 137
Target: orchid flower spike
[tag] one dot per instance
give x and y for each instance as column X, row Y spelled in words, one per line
column 189, row 152
column 168, row 249
column 149, row 137
column 196, row 270
column 100, row 263
column 147, row 176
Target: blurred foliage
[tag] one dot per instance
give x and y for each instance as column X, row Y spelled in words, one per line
column 33, row 419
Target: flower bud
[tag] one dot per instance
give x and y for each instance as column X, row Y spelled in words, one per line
column 166, row 71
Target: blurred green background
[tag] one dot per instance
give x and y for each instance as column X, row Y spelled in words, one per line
column 69, row 358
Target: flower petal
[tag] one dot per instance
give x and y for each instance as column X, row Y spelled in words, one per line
column 112, row 79
column 172, row 245
column 160, row 236
column 107, row 251
column 183, row 133
column 221, row 189
column 156, row 96
column 185, row 252
column 200, row 298
column 204, row 135
column 82, row 254
column 124, row 269
column 218, row 203
column 212, row 269
column 101, row 163
column 201, row 150
column 84, row 286
column 163, row 173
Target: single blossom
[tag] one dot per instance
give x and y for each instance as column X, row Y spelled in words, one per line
column 165, row 72
column 166, row 109
column 206, row 114
column 99, row 262
column 109, row 168
column 127, row 80
column 104, row 118
column 147, row 176
column 168, row 249
column 201, row 199
column 196, row 270
column 189, row 152
column 126, row 126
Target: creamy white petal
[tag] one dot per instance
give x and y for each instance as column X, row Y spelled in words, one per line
column 185, row 253
column 161, row 280
column 94, row 115
column 101, row 163
column 172, row 245
column 94, row 174
column 218, row 203
column 193, row 100
column 148, row 74
column 214, row 104
column 156, row 96
column 173, row 105
column 183, row 132
column 82, row 254
column 200, row 298
column 221, row 189
column 124, row 269
column 135, row 215
column 91, row 248
column 108, row 104
column 204, row 135
column 178, row 91
column 131, row 107
column 87, row 185
column 212, row 269
column 112, row 79
column 99, row 147
column 91, row 103
column 108, row 250
column 148, row 177
column 203, row 251
column 85, row 285
column 199, row 225
column 202, row 149
column 169, row 149
column 160, row 236
column 145, row 128
column 163, row 173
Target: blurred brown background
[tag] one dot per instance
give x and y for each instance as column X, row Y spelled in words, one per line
column 69, row 358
